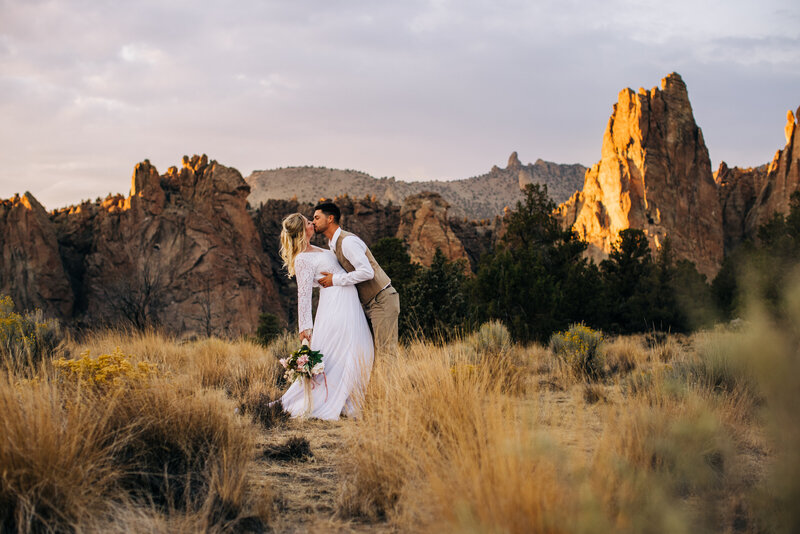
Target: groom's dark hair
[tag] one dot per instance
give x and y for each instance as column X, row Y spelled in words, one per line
column 329, row 208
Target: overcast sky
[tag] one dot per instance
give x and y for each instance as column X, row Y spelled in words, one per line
column 414, row 89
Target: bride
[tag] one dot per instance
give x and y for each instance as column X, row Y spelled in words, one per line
column 339, row 331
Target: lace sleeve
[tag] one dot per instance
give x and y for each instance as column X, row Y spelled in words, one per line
column 304, row 272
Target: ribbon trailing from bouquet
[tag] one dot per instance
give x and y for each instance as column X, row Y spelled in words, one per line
column 309, row 382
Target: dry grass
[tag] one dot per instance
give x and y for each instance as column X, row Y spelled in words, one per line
column 667, row 350
column 56, row 457
column 428, row 430
column 475, row 435
column 655, row 461
column 444, row 446
column 163, row 449
column 624, row 354
column 245, row 371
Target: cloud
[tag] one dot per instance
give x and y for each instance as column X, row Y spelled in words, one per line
column 141, row 53
column 416, row 89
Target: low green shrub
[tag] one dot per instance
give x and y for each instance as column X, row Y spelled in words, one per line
column 492, row 338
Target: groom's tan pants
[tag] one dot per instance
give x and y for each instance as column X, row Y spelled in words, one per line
column 383, row 311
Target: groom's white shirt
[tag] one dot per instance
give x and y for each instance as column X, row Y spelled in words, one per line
column 355, row 250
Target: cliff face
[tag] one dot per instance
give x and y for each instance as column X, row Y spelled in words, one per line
column 478, row 237
column 738, row 189
column 424, row 225
column 654, row 174
column 181, row 250
column 783, row 179
column 368, row 218
column 185, row 251
column 31, row 271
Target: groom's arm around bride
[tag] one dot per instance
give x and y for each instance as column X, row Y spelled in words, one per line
column 380, row 300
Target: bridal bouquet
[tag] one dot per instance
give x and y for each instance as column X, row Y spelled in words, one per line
column 303, row 363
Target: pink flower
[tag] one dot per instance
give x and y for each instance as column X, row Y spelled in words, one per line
column 283, row 362
column 302, row 360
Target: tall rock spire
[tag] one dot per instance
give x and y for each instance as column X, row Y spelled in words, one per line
column 654, row 174
column 783, row 179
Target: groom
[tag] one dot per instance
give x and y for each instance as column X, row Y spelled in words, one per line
column 380, row 300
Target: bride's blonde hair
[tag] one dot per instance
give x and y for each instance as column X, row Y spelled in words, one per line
column 293, row 240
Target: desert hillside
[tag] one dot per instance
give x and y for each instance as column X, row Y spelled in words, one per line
column 479, row 197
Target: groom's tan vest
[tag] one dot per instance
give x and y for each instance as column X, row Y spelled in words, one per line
column 368, row 288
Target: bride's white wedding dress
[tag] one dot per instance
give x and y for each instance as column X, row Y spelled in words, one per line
column 341, row 334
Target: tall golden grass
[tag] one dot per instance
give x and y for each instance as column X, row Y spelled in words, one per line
column 436, row 446
column 169, row 449
column 697, row 434
column 444, row 445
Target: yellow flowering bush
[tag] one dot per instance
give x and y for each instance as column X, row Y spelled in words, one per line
column 463, row 370
column 579, row 348
column 26, row 338
column 115, row 369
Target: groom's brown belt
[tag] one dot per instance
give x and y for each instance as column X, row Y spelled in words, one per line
column 379, row 292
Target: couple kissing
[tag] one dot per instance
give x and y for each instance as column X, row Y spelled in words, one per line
column 353, row 288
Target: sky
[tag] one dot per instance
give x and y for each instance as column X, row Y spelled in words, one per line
column 415, row 89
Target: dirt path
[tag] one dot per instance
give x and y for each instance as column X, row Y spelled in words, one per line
column 306, row 487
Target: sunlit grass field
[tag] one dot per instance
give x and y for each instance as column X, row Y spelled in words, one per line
column 141, row 432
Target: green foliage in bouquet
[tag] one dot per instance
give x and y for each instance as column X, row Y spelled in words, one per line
column 579, row 349
column 302, row 363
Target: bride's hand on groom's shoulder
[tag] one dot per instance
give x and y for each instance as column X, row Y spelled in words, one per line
column 327, row 280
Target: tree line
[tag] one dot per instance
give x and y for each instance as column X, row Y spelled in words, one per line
column 536, row 280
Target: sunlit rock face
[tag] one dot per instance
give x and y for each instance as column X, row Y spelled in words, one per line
column 783, row 179
column 424, row 226
column 738, row 189
column 31, row 271
column 654, row 174
column 183, row 247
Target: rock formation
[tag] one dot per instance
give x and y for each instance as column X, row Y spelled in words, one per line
column 181, row 251
column 31, row 271
column 783, row 179
column 368, row 218
column 479, row 197
column 424, row 226
column 738, row 189
column 654, row 174
column 477, row 237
